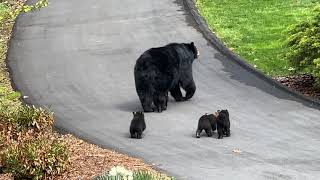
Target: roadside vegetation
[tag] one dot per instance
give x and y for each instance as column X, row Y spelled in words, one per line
column 29, row 147
column 304, row 46
column 259, row 30
column 120, row 173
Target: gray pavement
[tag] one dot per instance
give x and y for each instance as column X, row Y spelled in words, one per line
column 77, row 58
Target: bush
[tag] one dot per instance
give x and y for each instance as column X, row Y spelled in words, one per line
column 304, row 46
column 19, row 123
column 36, row 159
column 27, row 146
column 24, row 116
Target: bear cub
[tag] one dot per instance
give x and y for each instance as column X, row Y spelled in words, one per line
column 207, row 123
column 217, row 121
column 138, row 125
column 223, row 123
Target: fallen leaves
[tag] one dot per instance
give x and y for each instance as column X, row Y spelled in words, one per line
column 88, row 160
column 237, row 151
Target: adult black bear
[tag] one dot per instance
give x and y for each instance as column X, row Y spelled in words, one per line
column 163, row 69
column 138, row 125
column 207, row 122
column 223, row 123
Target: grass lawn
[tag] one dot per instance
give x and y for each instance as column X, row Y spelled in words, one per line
column 256, row 29
column 4, row 35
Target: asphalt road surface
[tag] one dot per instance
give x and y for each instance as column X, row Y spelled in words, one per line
column 77, row 57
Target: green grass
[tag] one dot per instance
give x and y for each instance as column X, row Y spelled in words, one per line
column 138, row 175
column 5, row 29
column 256, row 29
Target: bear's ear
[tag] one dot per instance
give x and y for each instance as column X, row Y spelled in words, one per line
column 195, row 50
column 133, row 113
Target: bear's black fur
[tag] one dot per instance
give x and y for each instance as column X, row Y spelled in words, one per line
column 160, row 101
column 223, row 123
column 163, row 69
column 207, row 122
column 138, row 125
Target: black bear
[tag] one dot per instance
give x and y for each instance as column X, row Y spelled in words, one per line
column 138, row 125
column 208, row 123
column 223, row 124
column 165, row 69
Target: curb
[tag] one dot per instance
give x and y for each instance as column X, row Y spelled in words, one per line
column 219, row 45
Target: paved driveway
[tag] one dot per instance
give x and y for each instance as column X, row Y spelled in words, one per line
column 77, row 57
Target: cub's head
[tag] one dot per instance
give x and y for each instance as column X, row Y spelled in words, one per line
column 194, row 50
column 223, row 114
column 138, row 114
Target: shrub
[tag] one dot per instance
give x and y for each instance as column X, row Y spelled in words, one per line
column 25, row 116
column 304, row 46
column 36, row 159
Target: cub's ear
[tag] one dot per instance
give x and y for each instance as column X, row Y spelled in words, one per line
column 192, row 43
column 133, row 113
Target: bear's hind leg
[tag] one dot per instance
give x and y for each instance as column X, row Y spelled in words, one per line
column 208, row 132
column 146, row 101
column 157, row 102
column 160, row 101
column 133, row 134
column 198, row 133
column 139, row 134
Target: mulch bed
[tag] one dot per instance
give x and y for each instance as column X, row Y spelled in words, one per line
column 303, row 83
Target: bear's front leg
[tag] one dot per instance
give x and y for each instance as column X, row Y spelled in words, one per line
column 227, row 132
column 176, row 93
column 190, row 90
column 220, row 132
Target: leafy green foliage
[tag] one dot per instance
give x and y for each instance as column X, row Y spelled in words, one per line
column 36, row 159
column 256, row 29
column 144, row 175
column 4, row 9
column 10, row 14
column 304, row 46
column 119, row 173
column 25, row 116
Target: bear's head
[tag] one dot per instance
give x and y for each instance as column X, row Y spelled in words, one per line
column 194, row 50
